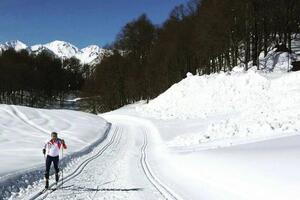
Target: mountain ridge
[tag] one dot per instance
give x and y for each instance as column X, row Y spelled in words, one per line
column 91, row 54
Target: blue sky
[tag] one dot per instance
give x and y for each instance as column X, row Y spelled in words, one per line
column 81, row 22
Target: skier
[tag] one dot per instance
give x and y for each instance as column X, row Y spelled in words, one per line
column 51, row 149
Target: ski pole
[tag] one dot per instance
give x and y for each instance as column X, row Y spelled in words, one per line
column 62, row 169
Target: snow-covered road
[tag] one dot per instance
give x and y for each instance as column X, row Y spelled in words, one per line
column 119, row 168
column 134, row 163
column 249, row 169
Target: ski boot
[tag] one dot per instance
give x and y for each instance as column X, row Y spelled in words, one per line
column 47, row 184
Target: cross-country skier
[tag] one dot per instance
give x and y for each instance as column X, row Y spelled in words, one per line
column 51, row 149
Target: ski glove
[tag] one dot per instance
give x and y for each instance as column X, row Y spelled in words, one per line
column 44, row 151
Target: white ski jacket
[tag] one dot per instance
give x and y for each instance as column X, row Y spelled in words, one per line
column 53, row 146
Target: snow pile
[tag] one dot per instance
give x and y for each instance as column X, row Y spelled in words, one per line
column 203, row 96
column 249, row 104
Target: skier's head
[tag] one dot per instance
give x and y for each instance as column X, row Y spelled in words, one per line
column 54, row 135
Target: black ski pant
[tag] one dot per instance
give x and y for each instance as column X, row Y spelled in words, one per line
column 55, row 161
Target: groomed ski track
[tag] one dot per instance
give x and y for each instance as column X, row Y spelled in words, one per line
column 120, row 163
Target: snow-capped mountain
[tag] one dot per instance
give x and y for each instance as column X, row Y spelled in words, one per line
column 59, row 48
column 89, row 55
column 62, row 49
column 15, row 44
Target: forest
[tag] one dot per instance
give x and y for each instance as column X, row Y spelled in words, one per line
column 201, row 37
column 37, row 80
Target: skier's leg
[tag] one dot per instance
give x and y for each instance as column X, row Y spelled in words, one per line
column 55, row 163
column 48, row 164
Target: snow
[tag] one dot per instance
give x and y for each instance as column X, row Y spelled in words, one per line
column 247, row 104
column 295, row 45
column 74, row 100
column 228, row 135
column 112, row 170
column 24, row 131
column 232, row 169
column 15, row 44
column 36, row 47
column 277, row 61
column 62, row 49
column 90, row 55
column 231, row 136
column 261, row 170
column 202, row 96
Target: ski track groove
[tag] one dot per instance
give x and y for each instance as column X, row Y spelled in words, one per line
column 15, row 114
column 163, row 190
column 117, row 139
column 67, row 123
column 78, row 170
column 18, row 114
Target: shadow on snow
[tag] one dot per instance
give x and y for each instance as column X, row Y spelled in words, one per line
column 86, row 189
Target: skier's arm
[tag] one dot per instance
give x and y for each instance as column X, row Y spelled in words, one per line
column 64, row 144
column 44, row 149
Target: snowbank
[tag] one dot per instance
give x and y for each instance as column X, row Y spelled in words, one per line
column 251, row 104
column 23, row 133
column 203, row 96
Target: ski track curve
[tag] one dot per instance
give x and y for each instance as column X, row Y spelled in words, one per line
column 21, row 116
column 14, row 114
column 67, row 124
column 75, row 190
column 160, row 187
column 36, row 173
column 141, row 132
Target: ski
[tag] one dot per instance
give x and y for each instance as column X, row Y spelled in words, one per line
column 38, row 194
column 55, row 187
column 44, row 190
